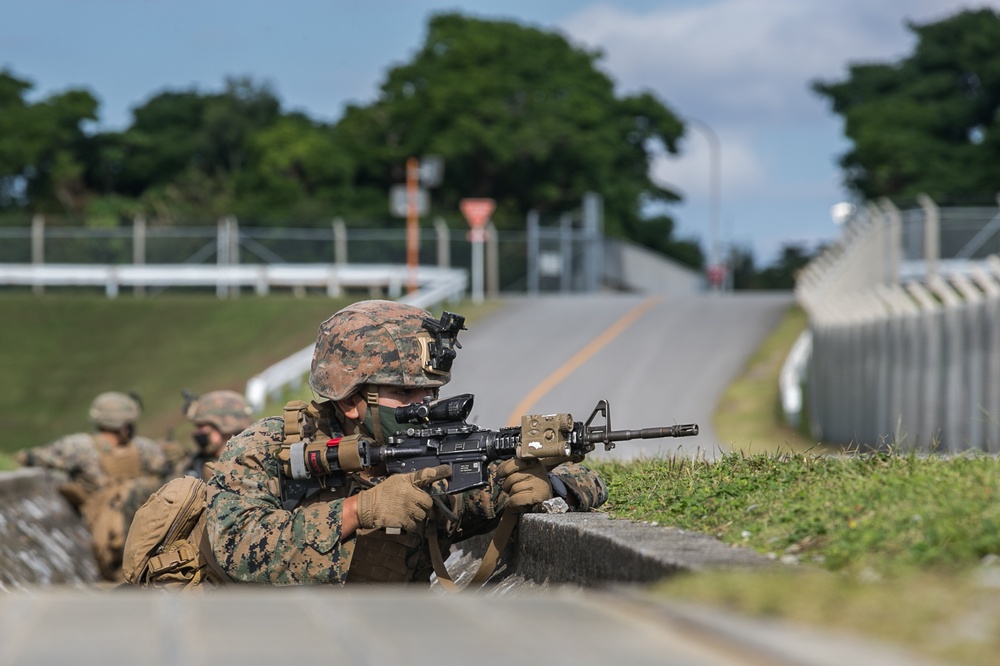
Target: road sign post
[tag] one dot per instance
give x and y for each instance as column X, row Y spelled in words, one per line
column 477, row 213
column 411, row 200
column 412, row 223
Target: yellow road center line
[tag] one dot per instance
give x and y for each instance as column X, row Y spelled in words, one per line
column 579, row 359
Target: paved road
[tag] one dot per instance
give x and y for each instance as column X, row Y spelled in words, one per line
column 389, row 626
column 658, row 360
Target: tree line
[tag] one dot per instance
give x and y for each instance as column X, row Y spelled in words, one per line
column 518, row 114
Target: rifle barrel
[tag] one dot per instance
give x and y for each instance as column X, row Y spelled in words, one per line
column 684, row 430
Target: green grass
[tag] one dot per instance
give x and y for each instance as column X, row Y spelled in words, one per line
column 748, row 416
column 58, row 351
column 882, row 514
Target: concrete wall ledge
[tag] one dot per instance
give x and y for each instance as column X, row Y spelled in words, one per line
column 42, row 542
column 591, row 548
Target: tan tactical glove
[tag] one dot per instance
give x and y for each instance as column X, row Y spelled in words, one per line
column 400, row 501
column 526, row 483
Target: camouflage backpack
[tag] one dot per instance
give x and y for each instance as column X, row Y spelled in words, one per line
column 167, row 546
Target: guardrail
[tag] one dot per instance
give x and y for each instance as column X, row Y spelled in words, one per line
column 389, row 278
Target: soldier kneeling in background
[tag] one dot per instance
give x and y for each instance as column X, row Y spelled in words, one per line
column 107, row 474
column 217, row 417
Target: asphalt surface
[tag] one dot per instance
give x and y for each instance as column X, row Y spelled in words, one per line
column 659, row 361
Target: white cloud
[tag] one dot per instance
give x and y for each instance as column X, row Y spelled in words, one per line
column 741, row 169
column 752, row 57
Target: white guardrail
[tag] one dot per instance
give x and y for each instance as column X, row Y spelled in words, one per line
column 260, row 277
column 434, row 285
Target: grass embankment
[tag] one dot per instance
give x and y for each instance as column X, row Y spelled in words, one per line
column 60, row 350
column 893, row 545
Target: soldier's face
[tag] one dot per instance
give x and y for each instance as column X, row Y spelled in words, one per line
column 400, row 396
column 354, row 406
column 209, row 439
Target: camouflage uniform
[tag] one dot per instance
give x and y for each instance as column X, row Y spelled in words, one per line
column 82, row 457
column 106, row 482
column 227, row 412
column 255, row 539
column 79, row 457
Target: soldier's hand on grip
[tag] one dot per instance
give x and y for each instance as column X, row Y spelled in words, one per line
column 526, row 483
column 400, row 501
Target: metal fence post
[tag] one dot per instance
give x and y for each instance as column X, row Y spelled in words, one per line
column 339, row 242
column 492, row 261
column 593, row 232
column 533, row 243
column 139, row 249
column 443, row 235
column 37, row 248
column 222, row 248
column 932, row 233
column 566, row 252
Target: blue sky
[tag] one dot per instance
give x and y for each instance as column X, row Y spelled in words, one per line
column 742, row 67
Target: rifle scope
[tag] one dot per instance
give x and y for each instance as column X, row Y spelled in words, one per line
column 446, row 410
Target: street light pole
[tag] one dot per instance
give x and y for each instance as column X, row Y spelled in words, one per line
column 714, row 185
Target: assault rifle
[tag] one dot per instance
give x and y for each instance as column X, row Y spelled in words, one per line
column 438, row 434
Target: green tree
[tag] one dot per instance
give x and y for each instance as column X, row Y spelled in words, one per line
column 742, row 267
column 519, row 115
column 186, row 150
column 782, row 273
column 929, row 122
column 42, row 146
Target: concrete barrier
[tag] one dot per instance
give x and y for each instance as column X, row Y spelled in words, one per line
column 42, row 542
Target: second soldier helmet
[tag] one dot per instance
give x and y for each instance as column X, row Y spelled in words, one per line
column 378, row 342
column 227, row 411
column 114, row 410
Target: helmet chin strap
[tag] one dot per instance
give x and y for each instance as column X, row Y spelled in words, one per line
column 371, row 398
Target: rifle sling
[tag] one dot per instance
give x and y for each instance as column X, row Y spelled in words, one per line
column 490, row 559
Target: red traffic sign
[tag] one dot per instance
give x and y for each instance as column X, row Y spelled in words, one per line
column 477, row 211
column 716, row 274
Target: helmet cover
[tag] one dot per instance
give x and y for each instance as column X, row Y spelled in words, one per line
column 114, row 410
column 374, row 342
column 227, row 411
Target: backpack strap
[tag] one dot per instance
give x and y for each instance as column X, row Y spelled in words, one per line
column 214, row 573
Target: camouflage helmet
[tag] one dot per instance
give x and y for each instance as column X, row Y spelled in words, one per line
column 114, row 410
column 227, row 411
column 377, row 342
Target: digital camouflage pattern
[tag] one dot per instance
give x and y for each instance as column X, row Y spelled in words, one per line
column 256, row 541
column 106, row 482
column 79, row 456
column 227, row 411
column 371, row 342
column 112, row 410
